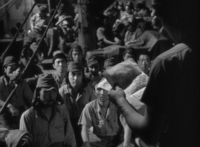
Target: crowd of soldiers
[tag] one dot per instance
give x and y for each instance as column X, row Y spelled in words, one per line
column 71, row 106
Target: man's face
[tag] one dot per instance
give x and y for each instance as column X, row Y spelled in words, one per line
column 130, row 28
column 75, row 78
column 65, row 24
column 76, row 9
column 144, row 63
column 94, row 69
column 77, row 56
column 128, row 56
column 12, row 71
column 60, row 65
column 102, row 95
column 127, row 8
column 120, row 7
column 48, row 97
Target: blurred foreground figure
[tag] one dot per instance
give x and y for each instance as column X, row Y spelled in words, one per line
column 11, row 137
column 172, row 95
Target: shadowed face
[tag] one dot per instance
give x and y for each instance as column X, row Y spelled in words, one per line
column 144, row 63
column 75, row 78
column 48, row 96
column 94, row 69
column 60, row 65
column 12, row 71
column 77, row 56
column 128, row 56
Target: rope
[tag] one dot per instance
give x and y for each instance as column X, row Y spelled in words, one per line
column 6, row 4
column 14, row 39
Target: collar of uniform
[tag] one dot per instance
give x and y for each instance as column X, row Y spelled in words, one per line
column 42, row 115
column 6, row 81
column 57, row 79
column 110, row 106
column 70, row 90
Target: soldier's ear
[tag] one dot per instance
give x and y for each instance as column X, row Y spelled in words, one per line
column 53, row 66
column 4, row 69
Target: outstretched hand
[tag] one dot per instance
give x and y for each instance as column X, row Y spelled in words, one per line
column 116, row 94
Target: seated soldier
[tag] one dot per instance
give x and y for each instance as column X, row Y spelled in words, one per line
column 144, row 62
column 31, row 43
column 119, row 33
column 76, row 55
column 22, row 97
column 76, row 95
column 140, row 29
column 60, row 66
column 103, row 116
column 129, row 33
column 9, row 135
column 47, row 121
column 105, row 35
column 39, row 18
column 93, row 68
column 60, row 12
column 66, row 33
column 38, row 23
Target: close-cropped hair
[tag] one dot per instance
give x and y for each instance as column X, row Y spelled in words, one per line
column 143, row 53
column 59, row 55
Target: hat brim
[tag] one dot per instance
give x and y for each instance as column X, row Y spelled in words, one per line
column 61, row 20
column 9, row 64
column 75, row 70
column 48, row 88
column 92, row 63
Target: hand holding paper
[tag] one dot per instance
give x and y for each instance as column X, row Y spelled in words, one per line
column 116, row 94
column 130, row 78
column 122, row 74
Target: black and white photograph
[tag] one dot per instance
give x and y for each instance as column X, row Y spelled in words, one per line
column 99, row 73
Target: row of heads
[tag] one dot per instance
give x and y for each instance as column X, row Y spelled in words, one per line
column 10, row 60
column 74, row 48
column 139, row 5
column 72, row 66
column 47, row 81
